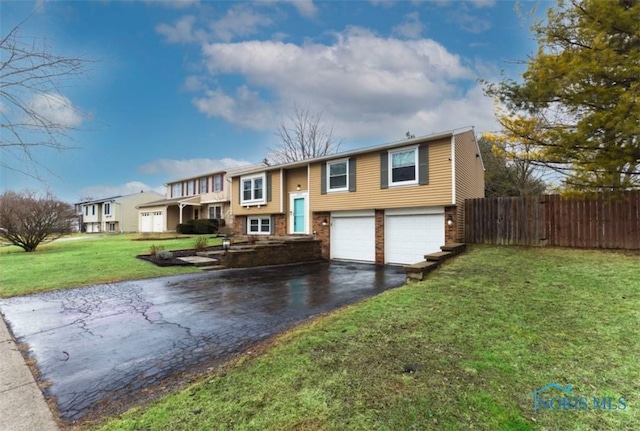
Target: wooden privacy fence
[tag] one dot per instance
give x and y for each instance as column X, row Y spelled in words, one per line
column 600, row 222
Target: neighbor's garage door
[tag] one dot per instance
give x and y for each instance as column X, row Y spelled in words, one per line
column 408, row 237
column 353, row 236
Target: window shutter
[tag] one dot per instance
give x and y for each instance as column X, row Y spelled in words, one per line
column 423, row 164
column 268, row 187
column 272, row 225
column 323, row 178
column 240, row 190
column 352, row 174
column 384, row 170
column 244, row 225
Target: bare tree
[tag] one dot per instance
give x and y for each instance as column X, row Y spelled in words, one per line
column 34, row 113
column 26, row 220
column 303, row 136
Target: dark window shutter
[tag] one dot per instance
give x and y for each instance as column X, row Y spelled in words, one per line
column 245, row 229
column 272, row 226
column 423, row 164
column 323, row 178
column 240, row 190
column 384, row 170
column 352, row 174
column 268, row 187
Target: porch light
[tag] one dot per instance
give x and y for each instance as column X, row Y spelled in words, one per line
column 324, row 222
column 449, row 221
column 226, row 243
column 298, row 187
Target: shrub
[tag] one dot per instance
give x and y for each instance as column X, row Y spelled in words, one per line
column 164, row 255
column 200, row 243
column 155, row 249
column 200, row 227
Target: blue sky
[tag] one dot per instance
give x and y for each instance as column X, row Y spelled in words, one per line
column 180, row 88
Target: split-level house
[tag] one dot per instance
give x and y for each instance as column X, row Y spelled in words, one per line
column 113, row 214
column 204, row 196
column 389, row 204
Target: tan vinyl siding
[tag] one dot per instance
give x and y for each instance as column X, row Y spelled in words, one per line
column 469, row 174
column 369, row 195
column 272, row 207
column 294, row 177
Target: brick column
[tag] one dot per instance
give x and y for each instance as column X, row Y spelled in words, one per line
column 379, row 215
column 280, row 221
column 238, row 225
column 323, row 233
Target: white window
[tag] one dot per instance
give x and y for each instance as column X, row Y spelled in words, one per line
column 93, row 210
column 107, row 208
column 203, row 186
column 259, row 225
column 338, row 175
column 86, row 210
column 176, row 190
column 191, row 188
column 403, row 166
column 217, row 183
column 215, row 212
column 253, row 190
column 112, row 227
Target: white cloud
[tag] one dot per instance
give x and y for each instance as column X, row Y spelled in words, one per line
column 364, row 84
column 411, row 28
column 102, row 191
column 176, row 169
column 239, row 20
column 174, row 4
column 54, row 109
column 181, row 32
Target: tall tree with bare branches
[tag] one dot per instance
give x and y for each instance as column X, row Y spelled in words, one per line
column 303, row 136
column 34, row 113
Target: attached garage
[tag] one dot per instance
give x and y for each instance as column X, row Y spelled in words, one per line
column 353, row 236
column 152, row 221
column 412, row 233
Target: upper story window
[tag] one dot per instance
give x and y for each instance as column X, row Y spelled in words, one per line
column 218, row 183
column 107, row 208
column 93, row 210
column 252, row 189
column 191, row 188
column 403, row 166
column 202, row 185
column 176, row 190
column 338, row 175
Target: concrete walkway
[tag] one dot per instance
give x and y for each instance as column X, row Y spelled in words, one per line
column 22, row 405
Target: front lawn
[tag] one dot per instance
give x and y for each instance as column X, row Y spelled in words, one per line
column 85, row 261
column 462, row 350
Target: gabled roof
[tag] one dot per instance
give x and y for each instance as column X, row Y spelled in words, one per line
column 172, row 201
column 390, row 145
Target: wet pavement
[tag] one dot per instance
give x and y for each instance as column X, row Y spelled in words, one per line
column 102, row 344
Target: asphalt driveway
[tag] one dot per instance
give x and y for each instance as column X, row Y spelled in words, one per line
column 104, row 344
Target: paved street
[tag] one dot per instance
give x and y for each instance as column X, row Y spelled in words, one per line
column 105, row 343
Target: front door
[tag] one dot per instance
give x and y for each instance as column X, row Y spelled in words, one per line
column 298, row 213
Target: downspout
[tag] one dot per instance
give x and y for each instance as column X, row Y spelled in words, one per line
column 453, row 169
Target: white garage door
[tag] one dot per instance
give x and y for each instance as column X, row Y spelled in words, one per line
column 145, row 222
column 353, row 237
column 409, row 237
column 158, row 221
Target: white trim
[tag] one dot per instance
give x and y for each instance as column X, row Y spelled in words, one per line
column 292, row 197
column 252, row 178
column 453, row 169
column 309, row 197
column 390, row 181
column 413, row 211
column 259, row 218
column 354, row 213
column 327, row 173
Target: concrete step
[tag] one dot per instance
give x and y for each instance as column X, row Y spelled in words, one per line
column 213, row 268
column 438, row 256
column 199, row 260
column 212, row 254
column 418, row 271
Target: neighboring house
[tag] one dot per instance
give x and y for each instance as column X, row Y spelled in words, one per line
column 113, row 214
column 204, row 196
column 387, row 204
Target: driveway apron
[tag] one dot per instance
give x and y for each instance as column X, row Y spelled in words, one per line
column 103, row 343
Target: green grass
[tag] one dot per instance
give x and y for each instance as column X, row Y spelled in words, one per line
column 484, row 332
column 64, row 264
